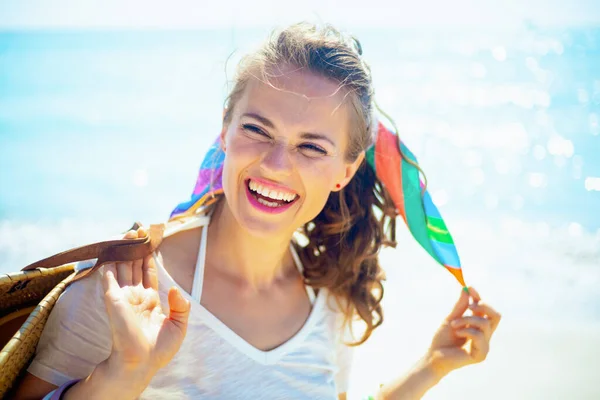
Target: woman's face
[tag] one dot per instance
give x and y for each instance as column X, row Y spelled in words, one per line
column 285, row 148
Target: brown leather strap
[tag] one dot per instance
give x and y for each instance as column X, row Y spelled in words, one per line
column 105, row 252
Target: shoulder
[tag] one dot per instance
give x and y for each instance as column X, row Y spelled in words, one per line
column 76, row 336
column 183, row 233
column 178, row 253
column 341, row 326
column 82, row 305
column 84, row 294
column 335, row 311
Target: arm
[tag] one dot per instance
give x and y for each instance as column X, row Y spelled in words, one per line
column 75, row 339
column 110, row 382
column 102, row 383
column 413, row 385
column 32, row 388
column 140, row 338
column 460, row 341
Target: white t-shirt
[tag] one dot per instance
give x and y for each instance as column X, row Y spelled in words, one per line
column 213, row 361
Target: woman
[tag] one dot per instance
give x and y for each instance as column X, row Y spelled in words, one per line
column 258, row 287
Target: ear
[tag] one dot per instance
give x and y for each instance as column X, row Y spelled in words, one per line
column 349, row 172
column 223, row 133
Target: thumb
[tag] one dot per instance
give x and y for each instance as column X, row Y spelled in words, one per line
column 460, row 307
column 179, row 309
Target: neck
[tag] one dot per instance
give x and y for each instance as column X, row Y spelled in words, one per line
column 255, row 262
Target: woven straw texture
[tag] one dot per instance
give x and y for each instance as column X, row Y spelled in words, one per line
column 24, row 289
column 18, row 293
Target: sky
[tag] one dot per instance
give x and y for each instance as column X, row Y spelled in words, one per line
column 190, row 14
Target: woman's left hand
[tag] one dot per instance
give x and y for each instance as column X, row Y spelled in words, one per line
column 463, row 339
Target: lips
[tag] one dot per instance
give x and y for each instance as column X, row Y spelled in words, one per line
column 271, row 191
column 268, row 197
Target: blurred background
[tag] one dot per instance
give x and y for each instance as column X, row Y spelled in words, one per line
column 107, row 108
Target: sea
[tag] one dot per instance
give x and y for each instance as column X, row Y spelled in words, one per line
column 101, row 128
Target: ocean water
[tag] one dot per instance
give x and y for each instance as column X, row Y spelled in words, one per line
column 102, row 128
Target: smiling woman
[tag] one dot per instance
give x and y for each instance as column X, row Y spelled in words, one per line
column 252, row 294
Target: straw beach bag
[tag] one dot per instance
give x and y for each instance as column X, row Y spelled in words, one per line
column 27, row 297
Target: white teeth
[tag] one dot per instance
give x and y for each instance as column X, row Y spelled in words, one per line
column 273, row 194
column 268, row 203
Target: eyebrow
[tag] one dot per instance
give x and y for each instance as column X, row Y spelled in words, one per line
column 305, row 135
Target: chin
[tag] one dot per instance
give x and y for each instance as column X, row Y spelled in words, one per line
column 263, row 229
column 264, row 226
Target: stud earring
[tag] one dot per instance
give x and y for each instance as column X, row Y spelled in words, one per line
column 338, row 186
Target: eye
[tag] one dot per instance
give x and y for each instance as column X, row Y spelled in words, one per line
column 255, row 130
column 312, row 150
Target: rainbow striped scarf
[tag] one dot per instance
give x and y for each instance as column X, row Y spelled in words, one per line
column 394, row 165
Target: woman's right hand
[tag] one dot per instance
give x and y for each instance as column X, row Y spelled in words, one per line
column 144, row 338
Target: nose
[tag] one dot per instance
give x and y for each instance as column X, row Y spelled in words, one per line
column 276, row 162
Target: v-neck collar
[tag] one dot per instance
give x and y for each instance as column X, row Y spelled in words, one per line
column 226, row 333
column 219, row 327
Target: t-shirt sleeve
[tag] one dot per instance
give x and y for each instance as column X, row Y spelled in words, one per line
column 344, row 356
column 77, row 335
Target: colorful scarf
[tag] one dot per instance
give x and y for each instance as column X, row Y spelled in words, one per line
column 394, row 165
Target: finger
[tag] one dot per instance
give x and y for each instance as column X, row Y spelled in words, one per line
column 109, row 281
column 479, row 345
column 124, row 273
column 483, row 309
column 483, row 324
column 136, row 272
column 136, row 269
column 475, row 294
column 179, row 309
column 120, row 314
column 130, row 234
column 460, row 307
column 476, row 299
column 113, row 295
column 142, row 232
column 149, row 274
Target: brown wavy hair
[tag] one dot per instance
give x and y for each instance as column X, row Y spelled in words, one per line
column 341, row 245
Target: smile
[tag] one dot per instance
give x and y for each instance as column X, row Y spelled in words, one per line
column 269, row 198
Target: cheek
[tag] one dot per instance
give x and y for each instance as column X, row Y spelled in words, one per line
column 319, row 177
column 244, row 148
column 240, row 155
column 315, row 171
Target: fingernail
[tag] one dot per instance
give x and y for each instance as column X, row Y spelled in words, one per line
column 454, row 323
